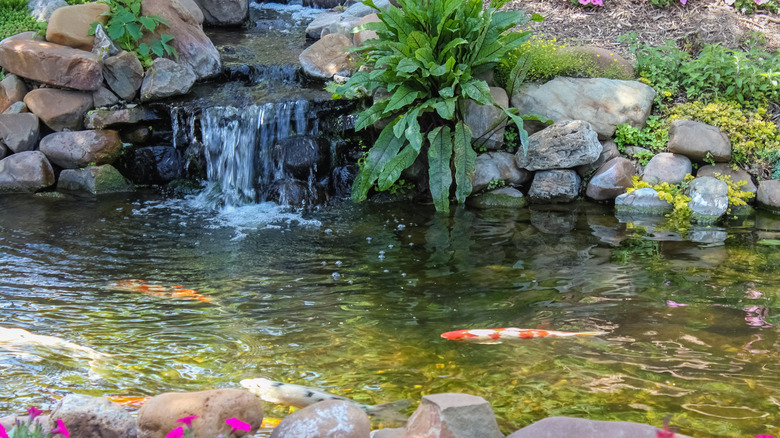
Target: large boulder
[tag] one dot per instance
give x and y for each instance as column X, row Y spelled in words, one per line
column 224, row 12
column 12, row 90
column 554, row 186
column 565, row 144
column 124, row 74
column 605, row 103
column 95, row 417
column 557, row 427
column 59, row 109
column 42, row 9
column 96, row 180
column 709, row 198
column 667, row 167
column 166, row 78
column 497, row 166
column 74, row 149
column 329, row 418
column 768, row 195
column 482, row 118
column 328, row 57
column 158, row 416
column 25, row 172
column 51, row 63
column 19, row 132
column 453, row 415
column 725, row 169
column 698, row 140
column 195, row 49
column 69, row 26
column 611, row 180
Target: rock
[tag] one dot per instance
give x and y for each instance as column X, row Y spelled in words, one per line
column 768, row 195
column 611, row 180
column 343, row 27
column 452, row 415
column 124, row 74
column 103, row 47
column 158, row 416
column 69, row 26
column 709, row 198
column 30, row 35
column 481, row 118
column 604, row 103
column 506, row 197
column 302, row 155
column 498, row 166
column 726, row 170
column 96, row 180
column 42, row 9
column 550, row 220
column 329, row 418
column 87, row 416
column 608, row 62
column 642, row 201
column 667, row 167
column 289, row 191
column 25, row 172
column 563, row 145
column 109, row 118
column 389, row 433
column 361, row 36
column 16, row 108
column 19, row 132
column 224, row 12
column 327, row 57
column 156, row 165
column 12, row 90
column 320, row 22
column 556, row 427
column 51, row 64
column 104, row 97
column 609, row 151
column 342, row 178
column 71, row 150
column 358, row 10
column 696, row 140
column 554, row 186
column 195, row 49
column 4, row 151
column 59, row 109
column 166, row 78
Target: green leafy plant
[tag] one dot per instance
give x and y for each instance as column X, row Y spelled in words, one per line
column 16, row 18
column 495, row 184
column 654, row 136
column 750, row 6
column 428, row 56
column 674, row 194
column 658, row 66
column 644, row 157
column 737, row 196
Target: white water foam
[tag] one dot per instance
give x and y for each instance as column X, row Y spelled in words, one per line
column 298, row 13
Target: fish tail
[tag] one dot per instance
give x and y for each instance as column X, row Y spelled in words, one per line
column 389, row 412
column 584, row 334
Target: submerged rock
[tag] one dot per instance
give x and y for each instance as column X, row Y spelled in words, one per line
column 507, row 197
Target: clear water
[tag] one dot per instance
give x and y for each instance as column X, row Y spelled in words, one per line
column 352, row 299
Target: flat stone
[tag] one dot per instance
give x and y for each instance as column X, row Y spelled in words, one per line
column 12, row 90
column 59, row 109
column 87, row 416
column 329, row 418
column 96, row 180
column 74, row 149
column 642, row 201
column 52, row 64
column 19, row 132
column 558, row 427
column 554, row 186
column 725, row 169
column 70, row 25
column 452, row 415
column 328, row 57
column 611, row 180
column 563, row 145
column 166, row 78
column 124, row 74
column 667, row 167
column 481, row 118
column 25, row 172
column 698, row 141
column 111, row 119
column 505, row 197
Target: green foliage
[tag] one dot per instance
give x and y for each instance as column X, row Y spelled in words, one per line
column 674, row 194
column 644, row 157
column 659, row 66
column 16, row 19
column 737, row 196
column 749, row 6
column 495, row 184
column 654, row 136
column 428, row 57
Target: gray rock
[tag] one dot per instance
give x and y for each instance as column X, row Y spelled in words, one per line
column 725, row 169
column 124, row 74
column 103, row 47
column 16, row 108
column 322, row 21
column 96, row 180
column 768, row 195
column 327, row 57
column 74, row 149
column 224, row 12
column 4, row 151
column 359, row 10
column 558, row 427
column 707, row 234
column 554, row 186
column 611, row 180
column 498, row 166
column 166, row 78
column 19, row 132
column 609, row 151
column 156, row 165
column 481, row 118
column 709, row 198
column 87, row 416
column 667, row 167
column 563, row 145
column 605, row 103
column 12, row 90
column 59, row 109
column 453, row 415
column 343, row 27
column 642, row 201
column 25, row 172
column 696, row 140
column 301, row 156
column 553, row 221
column 42, row 9
column 104, row 97
column 109, row 118
column 329, row 418
column 506, row 197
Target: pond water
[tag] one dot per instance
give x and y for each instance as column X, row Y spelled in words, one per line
column 353, row 299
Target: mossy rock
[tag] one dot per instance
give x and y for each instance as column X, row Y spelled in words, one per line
column 506, row 197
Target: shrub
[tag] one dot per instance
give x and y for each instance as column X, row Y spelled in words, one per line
column 16, row 19
column 654, row 136
column 659, row 66
column 428, row 56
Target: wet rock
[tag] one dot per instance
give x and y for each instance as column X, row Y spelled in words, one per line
column 364, row 35
column 224, row 12
column 138, row 135
column 327, row 57
column 302, row 156
column 104, row 97
column 709, row 198
column 87, row 416
column 498, row 166
column 667, row 167
column 16, row 108
column 166, row 78
column 124, row 74
column 604, row 103
column 59, row 109
column 553, row 221
column 725, row 169
column 556, row 427
column 342, row 178
column 51, row 64
column 320, row 22
column 642, row 201
column 611, row 180
column 25, row 172
column 156, row 165
column 293, row 192
column 506, row 197
column 554, row 186
column 481, row 118
column 12, row 90
column 96, row 180
column 42, row 9
column 453, row 415
column 108, row 118
column 609, row 151
column 768, row 195
column 158, row 416
column 19, row 132
column 329, row 418
column 69, row 26
column 697, row 140
column 74, row 149
column 563, row 145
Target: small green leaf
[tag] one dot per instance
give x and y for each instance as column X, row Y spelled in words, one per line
column 143, row 49
column 371, row 115
column 479, row 91
column 402, row 97
column 157, row 49
column 148, row 23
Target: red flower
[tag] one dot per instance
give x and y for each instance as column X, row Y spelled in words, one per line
column 237, row 424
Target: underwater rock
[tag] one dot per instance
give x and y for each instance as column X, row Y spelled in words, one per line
column 329, row 418
column 507, row 197
column 556, row 427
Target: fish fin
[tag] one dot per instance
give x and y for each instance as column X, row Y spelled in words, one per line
column 389, row 412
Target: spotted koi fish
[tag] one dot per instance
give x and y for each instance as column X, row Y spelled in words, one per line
column 128, row 401
column 299, row 396
column 143, row 286
column 497, row 335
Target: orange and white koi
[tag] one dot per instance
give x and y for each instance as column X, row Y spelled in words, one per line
column 497, row 335
column 128, row 401
column 143, row 286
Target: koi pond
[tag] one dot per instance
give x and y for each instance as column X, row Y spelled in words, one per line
column 353, row 299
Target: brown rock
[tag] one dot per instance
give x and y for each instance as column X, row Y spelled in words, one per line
column 453, row 415
column 25, row 172
column 12, row 90
column 51, row 63
column 667, row 167
column 74, row 149
column 19, row 132
column 328, row 57
column 726, row 170
column 94, row 417
column 698, row 140
column 70, row 25
column 158, row 415
column 107, row 118
column 59, row 109
column 364, row 35
column 124, row 74
column 329, row 418
column 611, row 180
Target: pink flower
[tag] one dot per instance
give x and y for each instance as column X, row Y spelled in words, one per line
column 597, row 2
column 34, row 412
column 671, row 303
column 761, row 2
column 684, row 2
column 237, row 424
column 187, row 420
column 60, row 429
column 3, row 433
column 176, row 433
column 764, row 436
